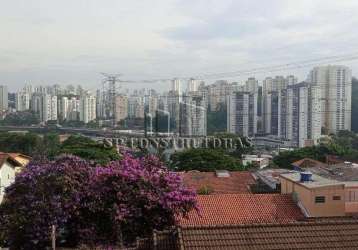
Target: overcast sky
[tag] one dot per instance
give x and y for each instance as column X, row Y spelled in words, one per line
column 71, row 41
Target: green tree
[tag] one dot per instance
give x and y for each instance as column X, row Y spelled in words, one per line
column 286, row 158
column 51, row 143
column 89, row 149
column 28, row 144
column 243, row 144
column 204, row 160
column 23, row 118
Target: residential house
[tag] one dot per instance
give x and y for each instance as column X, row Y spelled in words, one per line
column 9, row 166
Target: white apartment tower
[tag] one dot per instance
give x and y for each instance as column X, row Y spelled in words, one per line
column 4, row 104
column 45, row 105
column 335, row 84
column 22, row 101
column 274, row 97
column 63, row 108
column 193, row 113
column 193, row 85
column 176, row 86
column 87, row 108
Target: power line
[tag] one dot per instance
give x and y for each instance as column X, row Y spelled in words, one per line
column 259, row 70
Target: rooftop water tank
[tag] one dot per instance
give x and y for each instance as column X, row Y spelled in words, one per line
column 306, row 176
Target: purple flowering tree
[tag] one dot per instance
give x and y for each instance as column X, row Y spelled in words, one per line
column 43, row 195
column 110, row 204
column 131, row 197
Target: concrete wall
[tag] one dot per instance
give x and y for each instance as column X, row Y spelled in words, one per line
column 7, row 177
column 307, row 195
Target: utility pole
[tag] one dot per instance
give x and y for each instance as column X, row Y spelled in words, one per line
column 53, row 237
column 110, row 103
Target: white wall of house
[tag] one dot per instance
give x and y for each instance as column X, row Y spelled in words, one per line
column 7, row 177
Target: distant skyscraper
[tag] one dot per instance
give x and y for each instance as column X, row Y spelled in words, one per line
column 63, row 105
column 176, row 86
column 136, row 107
column 22, row 101
column 273, row 104
column 87, row 108
column 173, row 103
column 238, row 113
column 121, row 108
column 297, row 114
column 4, row 103
column 100, row 102
column 45, row 106
column 151, row 103
column 335, row 84
column 193, row 115
column 193, row 85
column 73, row 109
column 242, row 109
column 217, row 94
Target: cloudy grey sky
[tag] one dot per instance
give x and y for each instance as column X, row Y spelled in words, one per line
column 71, row 41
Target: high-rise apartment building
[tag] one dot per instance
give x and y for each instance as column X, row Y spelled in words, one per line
column 45, row 106
column 151, row 104
column 100, row 102
column 176, row 86
column 87, row 108
column 217, row 94
column 121, row 108
column 242, row 109
column 273, row 104
column 297, row 114
column 136, row 107
column 4, row 103
column 193, row 85
column 334, row 87
column 22, row 101
column 173, row 104
column 193, row 121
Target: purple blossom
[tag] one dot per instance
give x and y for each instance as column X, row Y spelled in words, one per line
column 110, row 204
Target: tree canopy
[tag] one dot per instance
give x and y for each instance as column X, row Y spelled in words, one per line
column 28, row 143
column 110, row 204
column 20, row 118
column 204, row 159
column 89, row 149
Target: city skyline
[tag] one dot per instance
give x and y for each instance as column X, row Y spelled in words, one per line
column 71, row 42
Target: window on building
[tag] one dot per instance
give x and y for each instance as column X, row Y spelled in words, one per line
column 351, row 196
column 336, row 198
column 320, row 199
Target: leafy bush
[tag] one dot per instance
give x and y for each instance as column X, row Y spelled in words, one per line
column 205, row 190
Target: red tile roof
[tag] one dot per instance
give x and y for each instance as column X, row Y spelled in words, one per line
column 299, row 235
column 308, row 163
column 238, row 182
column 14, row 155
column 229, row 209
column 8, row 157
